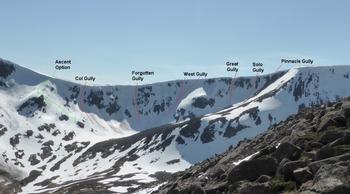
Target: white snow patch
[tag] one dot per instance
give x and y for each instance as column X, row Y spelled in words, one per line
column 187, row 101
column 150, row 190
column 245, row 159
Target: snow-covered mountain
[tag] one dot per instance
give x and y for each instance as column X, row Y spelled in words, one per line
column 60, row 136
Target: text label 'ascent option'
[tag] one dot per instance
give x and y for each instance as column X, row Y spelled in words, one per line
column 62, row 64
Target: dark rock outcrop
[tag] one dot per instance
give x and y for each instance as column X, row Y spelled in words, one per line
column 287, row 150
column 6, row 68
column 251, row 170
column 32, row 105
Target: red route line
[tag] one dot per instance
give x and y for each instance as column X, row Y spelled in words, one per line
column 135, row 105
column 81, row 95
column 251, row 91
column 190, row 88
column 181, row 92
column 173, row 105
column 255, row 78
column 179, row 96
column 81, row 102
column 278, row 67
column 231, row 88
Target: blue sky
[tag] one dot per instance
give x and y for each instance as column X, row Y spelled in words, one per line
column 109, row 39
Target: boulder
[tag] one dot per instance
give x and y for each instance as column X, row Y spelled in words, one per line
column 310, row 154
column 256, row 188
column 252, row 169
column 306, row 186
column 172, row 191
column 332, row 119
column 215, row 172
column 313, row 145
column 325, row 152
column 263, row 179
column 331, row 136
column 221, row 187
column 307, row 192
column 325, row 124
column 267, row 150
column 348, row 122
column 193, row 189
column 223, row 176
column 170, row 188
column 337, row 142
column 287, row 150
column 302, row 175
column 330, row 151
column 309, row 116
column 280, row 166
column 346, row 138
column 288, row 168
column 338, row 105
column 8, row 184
column 332, row 179
column 338, row 170
column 345, row 109
column 314, row 166
column 340, row 120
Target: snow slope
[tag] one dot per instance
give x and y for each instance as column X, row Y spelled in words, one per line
column 57, row 136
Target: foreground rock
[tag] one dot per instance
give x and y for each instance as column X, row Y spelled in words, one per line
column 253, row 169
column 8, row 185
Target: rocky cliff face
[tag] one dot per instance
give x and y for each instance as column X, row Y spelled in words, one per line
column 143, row 106
column 307, row 153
